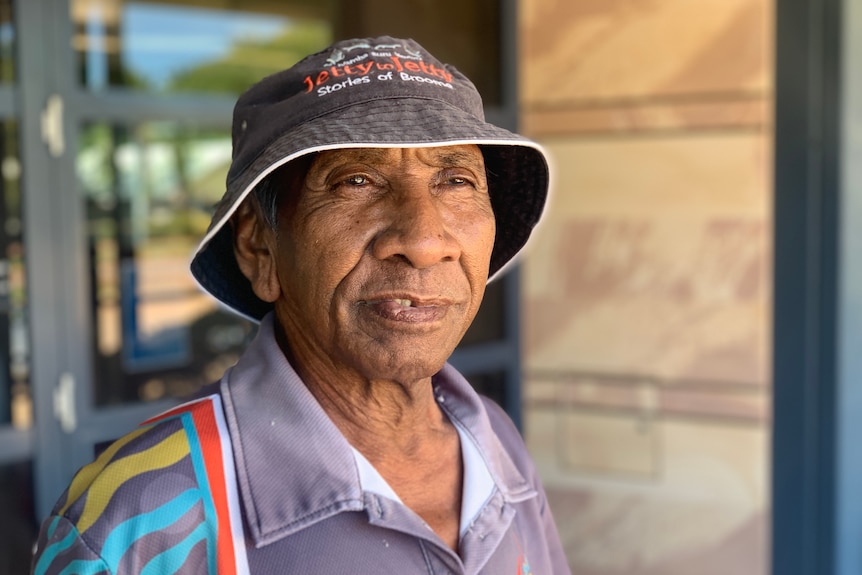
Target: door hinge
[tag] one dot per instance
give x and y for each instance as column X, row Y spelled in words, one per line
column 52, row 126
column 64, row 403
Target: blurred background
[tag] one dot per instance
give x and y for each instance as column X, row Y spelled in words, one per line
column 680, row 424
column 646, row 297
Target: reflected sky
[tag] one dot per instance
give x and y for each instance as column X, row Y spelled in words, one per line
column 161, row 40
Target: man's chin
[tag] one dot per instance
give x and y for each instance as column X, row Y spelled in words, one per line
column 406, row 369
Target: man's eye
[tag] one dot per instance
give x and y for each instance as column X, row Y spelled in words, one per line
column 357, row 180
column 458, row 181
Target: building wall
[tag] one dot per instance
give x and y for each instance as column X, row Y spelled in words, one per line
column 646, row 292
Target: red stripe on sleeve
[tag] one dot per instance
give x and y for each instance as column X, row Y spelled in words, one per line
column 211, row 447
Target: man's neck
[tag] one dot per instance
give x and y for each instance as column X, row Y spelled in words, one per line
column 404, row 434
column 394, row 418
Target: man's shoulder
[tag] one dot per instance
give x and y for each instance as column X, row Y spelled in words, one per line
column 158, row 499
column 501, row 423
column 159, row 475
column 510, row 438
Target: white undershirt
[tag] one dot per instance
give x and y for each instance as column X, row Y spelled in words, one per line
column 477, row 488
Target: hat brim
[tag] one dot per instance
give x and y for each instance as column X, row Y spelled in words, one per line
column 517, row 169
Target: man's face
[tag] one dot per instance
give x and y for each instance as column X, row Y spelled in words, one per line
column 382, row 259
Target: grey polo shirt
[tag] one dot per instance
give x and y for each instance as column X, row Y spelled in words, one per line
column 257, row 479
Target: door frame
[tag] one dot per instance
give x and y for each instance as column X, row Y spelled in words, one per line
column 817, row 325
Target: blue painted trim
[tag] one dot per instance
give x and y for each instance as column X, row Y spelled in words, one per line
column 848, row 522
column 806, row 271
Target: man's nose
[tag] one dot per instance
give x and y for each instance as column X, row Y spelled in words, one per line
column 417, row 231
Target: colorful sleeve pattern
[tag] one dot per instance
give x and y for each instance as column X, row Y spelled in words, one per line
column 160, row 500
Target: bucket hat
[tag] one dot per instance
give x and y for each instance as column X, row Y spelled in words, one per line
column 366, row 93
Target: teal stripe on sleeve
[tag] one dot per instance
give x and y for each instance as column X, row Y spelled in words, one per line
column 52, row 551
column 53, row 526
column 129, row 531
column 171, row 560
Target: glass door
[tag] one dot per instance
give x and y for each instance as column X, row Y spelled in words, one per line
column 146, row 94
column 18, row 433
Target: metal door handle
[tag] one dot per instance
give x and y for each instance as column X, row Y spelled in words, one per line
column 52, row 126
column 64, row 403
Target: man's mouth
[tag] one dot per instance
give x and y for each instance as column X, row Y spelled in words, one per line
column 403, row 302
column 407, row 310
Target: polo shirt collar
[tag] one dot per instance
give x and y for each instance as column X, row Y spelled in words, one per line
column 284, row 442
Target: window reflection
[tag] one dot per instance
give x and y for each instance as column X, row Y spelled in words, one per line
column 149, row 191
column 16, row 406
column 223, row 46
column 168, row 47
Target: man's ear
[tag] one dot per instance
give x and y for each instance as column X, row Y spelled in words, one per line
column 254, row 248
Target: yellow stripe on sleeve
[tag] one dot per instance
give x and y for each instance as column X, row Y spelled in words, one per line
column 87, row 474
column 164, row 454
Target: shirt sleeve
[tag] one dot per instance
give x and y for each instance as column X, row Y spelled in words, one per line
column 60, row 549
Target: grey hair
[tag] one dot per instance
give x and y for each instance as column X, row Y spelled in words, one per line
column 266, row 194
column 284, row 181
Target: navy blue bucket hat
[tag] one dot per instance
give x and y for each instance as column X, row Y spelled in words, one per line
column 366, row 93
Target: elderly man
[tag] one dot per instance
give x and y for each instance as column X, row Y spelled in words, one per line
column 367, row 205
